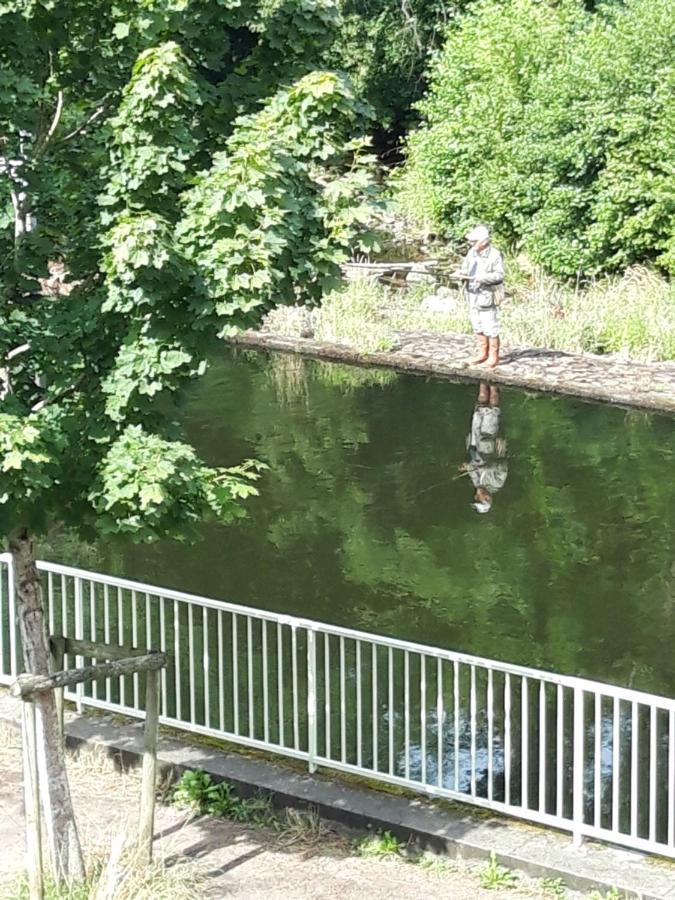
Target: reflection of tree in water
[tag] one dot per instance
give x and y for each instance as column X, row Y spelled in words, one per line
column 290, row 373
column 364, row 525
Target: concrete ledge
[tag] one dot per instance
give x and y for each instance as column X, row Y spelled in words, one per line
column 453, row 829
column 584, row 375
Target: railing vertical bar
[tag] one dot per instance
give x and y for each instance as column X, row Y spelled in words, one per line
column 507, row 739
column 390, row 714
column 491, row 723
column 177, row 659
column 52, row 611
column 671, row 779
column 359, row 708
column 79, row 634
column 134, row 642
column 525, row 743
column 634, row 793
column 578, row 764
column 206, row 667
column 440, row 717
column 473, row 708
column 164, row 695
column 327, row 689
column 280, row 682
column 106, row 633
column 343, row 702
column 266, row 705
column 221, row 673
column 597, row 761
column 294, row 667
column 653, row 727
column 120, row 640
column 235, row 672
column 406, row 712
column 375, row 707
column 542, row 747
column 64, row 607
column 148, row 622
column 616, row 763
column 249, row 676
column 312, row 705
column 560, row 750
column 92, row 630
column 423, row 717
column 191, row 661
column 455, row 688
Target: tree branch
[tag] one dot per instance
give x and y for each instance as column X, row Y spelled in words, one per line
column 80, row 128
column 66, row 392
column 56, row 118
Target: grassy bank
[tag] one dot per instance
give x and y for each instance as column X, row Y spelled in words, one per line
column 632, row 316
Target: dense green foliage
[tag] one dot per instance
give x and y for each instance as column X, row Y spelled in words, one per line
column 187, row 174
column 557, row 126
column 385, row 45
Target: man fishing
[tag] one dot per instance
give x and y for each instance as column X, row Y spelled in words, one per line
column 483, row 273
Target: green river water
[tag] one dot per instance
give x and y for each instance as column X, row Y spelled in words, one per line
column 364, row 518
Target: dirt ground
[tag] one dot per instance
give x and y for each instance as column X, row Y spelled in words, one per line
column 306, row 860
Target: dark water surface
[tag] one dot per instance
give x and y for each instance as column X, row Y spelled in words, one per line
column 365, row 520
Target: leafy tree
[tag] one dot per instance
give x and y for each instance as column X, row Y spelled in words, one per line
column 186, row 174
column 554, row 124
column 385, row 45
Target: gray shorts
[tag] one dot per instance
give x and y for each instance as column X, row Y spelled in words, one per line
column 484, row 321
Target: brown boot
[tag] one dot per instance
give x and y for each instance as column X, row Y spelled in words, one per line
column 482, row 353
column 493, row 358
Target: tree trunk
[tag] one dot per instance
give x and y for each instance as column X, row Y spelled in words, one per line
column 57, row 808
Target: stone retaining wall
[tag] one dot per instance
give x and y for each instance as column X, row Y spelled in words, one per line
column 607, row 379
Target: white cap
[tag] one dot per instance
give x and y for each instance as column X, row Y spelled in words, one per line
column 482, row 506
column 478, row 233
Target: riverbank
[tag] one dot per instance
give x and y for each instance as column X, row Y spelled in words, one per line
column 590, row 377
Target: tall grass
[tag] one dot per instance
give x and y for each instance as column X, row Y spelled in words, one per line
column 122, row 874
column 358, row 316
column 632, row 316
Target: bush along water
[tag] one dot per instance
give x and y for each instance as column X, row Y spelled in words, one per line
column 556, row 125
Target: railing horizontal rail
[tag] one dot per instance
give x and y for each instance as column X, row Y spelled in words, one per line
column 594, row 759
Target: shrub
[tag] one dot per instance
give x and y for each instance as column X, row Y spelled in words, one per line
column 197, row 792
column 553, row 124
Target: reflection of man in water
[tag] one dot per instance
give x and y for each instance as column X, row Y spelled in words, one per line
column 487, row 466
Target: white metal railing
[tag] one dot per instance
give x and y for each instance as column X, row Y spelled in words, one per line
column 590, row 758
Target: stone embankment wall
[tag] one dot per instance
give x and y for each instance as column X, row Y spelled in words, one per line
column 607, row 379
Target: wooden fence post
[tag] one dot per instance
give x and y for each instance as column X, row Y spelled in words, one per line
column 26, row 686
column 32, row 802
column 149, row 779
